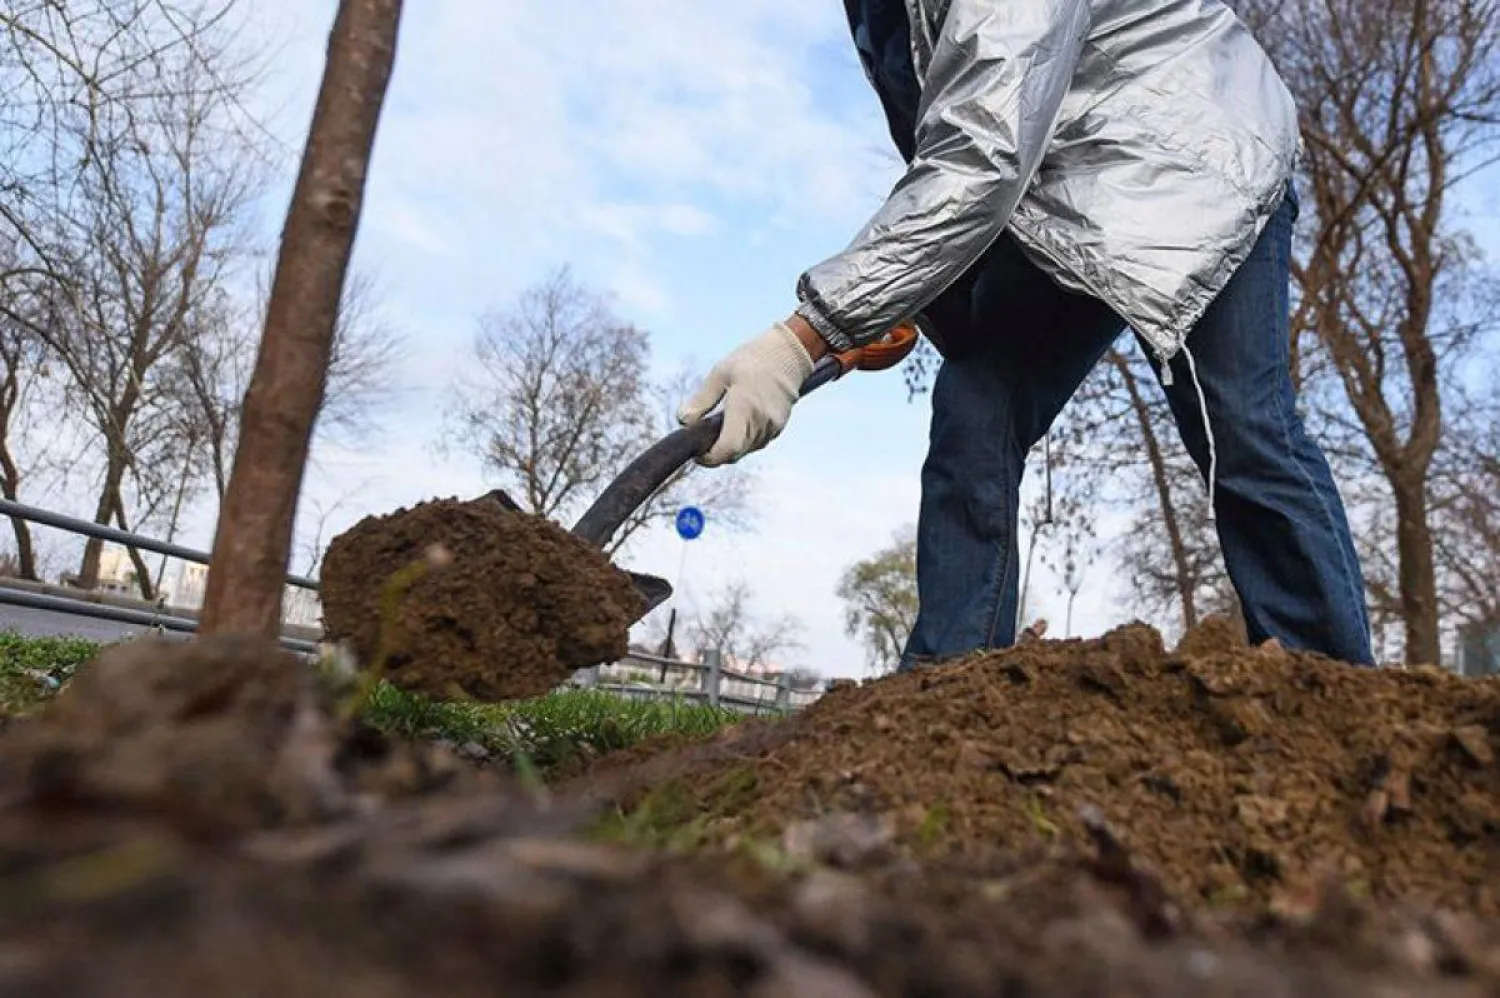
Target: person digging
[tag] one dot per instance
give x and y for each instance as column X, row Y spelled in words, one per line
column 1075, row 169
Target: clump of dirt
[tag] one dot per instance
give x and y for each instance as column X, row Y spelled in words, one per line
column 453, row 598
column 1243, row 775
column 1215, row 634
column 317, row 881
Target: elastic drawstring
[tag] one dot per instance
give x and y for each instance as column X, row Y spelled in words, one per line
column 1208, row 430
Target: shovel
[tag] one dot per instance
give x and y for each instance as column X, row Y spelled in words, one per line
column 649, row 472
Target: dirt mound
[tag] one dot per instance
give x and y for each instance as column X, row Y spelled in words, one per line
column 451, row 907
column 316, row 880
column 219, row 739
column 1242, row 775
column 469, row 598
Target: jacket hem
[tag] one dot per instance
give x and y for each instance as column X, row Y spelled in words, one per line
column 1177, row 316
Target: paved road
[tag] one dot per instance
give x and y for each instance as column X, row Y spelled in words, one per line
column 49, row 623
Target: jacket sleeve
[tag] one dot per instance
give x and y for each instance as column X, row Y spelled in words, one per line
column 997, row 76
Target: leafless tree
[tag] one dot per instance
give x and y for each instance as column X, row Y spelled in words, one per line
column 211, row 375
column 314, row 546
column 13, row 349
column 560, row 399
column 256, row 521
column 153, row 236
column 1073, row 546
column 361, row 368
column 214, row 372
column 1466, row 491
column 69, row 74
column 1398, row 110
column 1116, row 446
column 729, row 626
column 128, row 165
column 23, row 363
column 1172, row 548
column 879, row 594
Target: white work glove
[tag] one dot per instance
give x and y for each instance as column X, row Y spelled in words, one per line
column 762, row 380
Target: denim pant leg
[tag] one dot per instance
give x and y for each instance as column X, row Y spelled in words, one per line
column 1029, row 345
column 1281, row 522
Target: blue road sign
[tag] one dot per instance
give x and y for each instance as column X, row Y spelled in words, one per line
column 689, row 522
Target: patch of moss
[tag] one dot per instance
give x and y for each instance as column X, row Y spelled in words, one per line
column 935, row 825
column 668, row 817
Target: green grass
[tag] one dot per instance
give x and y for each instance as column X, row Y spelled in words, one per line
column 535, row 735
column 679, row 817
column 547, row 731
column 33, row 669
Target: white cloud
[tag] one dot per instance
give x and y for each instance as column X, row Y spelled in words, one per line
column 634, row 224
column 520, row 117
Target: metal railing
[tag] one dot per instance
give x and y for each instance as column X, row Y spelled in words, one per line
column 88, row 528
column 83, row 606
column 707, row 682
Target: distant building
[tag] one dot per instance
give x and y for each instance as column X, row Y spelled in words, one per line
column 116, row 573
column 188, row 587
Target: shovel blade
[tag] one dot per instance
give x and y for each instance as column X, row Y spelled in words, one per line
column 654, row 590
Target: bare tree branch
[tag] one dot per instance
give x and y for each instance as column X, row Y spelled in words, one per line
column 559, row 400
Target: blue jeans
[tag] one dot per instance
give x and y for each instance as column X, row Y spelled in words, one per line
column 1026, row 346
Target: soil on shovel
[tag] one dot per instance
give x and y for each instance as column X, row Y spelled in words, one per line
column 1244, row 776
column 467, row 598
column 194, row 820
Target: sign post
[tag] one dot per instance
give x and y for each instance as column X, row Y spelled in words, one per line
column 689, row 522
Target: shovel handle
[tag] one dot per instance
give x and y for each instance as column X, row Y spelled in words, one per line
column 649, row 472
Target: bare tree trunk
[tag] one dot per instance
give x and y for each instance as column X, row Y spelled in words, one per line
column 112, row 506
column 142, row 571
column 176, row 518
column 10, row 472
column 93, row 548
column 25, row 550
column 1418, row 573
column 1185, row 578
column 254, row 537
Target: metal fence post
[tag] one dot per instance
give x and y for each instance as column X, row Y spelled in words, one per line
column 715, row 662
column 784, row 691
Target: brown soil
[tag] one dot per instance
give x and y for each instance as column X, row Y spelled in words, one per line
column 216, row 741
column 1243, row 776
column 471, row 599
column 192, row 820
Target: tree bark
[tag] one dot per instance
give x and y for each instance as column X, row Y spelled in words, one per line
column 142, row 571
column 1185, row 578
column 254, row 536
column 25, row 550
column 10, row 472
column 1418, row 573
column 93, row 548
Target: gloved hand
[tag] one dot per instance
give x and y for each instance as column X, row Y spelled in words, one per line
column 762, row 379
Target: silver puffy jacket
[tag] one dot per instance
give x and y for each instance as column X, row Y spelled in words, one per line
column 1135, row 148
